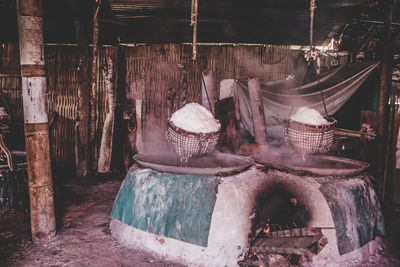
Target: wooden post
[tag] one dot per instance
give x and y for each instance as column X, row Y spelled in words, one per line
column 93, row 91
column 385, row 78
column 122, row 152
column 208, row 90
column 30, row 26
column 108, row 128
column 82, row 125
column 257, row 109
column 139, row 135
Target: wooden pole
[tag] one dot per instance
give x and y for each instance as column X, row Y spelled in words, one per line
column 31, row 46
column 93, row 91
column 82, row 125
column 208, row 90
column 193, row 22
column 385, row 78
column 389, row 143
column 257, row 109
column 108, row 128
column 122, row 152
column 139, row 136
column 385, row 82
column 312, row 9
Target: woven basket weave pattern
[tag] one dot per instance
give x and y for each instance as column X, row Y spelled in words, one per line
column 188, row 144
column 307, row 139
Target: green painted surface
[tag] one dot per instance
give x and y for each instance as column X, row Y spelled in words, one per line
column 173, row 205
column 356, row 211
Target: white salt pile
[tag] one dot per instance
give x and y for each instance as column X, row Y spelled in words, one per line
column 309, row 116
column 194, row 117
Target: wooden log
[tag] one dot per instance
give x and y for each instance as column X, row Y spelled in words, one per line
column 139, row 136
column 93, row 91
column 122, row 151
column 385, row 77
column 257, row 109
column 299, row 245
column 104, row 163
column 352, row 133
column 30, row 28
column 82, row 123
column 208, row 90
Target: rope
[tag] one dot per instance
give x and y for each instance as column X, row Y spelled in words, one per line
column 320, row 90
column 298, row 87
column 7, row 153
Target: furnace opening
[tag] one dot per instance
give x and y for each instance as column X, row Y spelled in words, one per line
column 277, row 209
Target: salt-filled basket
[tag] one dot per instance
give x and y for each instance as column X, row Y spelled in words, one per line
column 192, row 131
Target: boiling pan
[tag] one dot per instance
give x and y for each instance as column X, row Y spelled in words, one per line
column 315, row 164
column 216, row 163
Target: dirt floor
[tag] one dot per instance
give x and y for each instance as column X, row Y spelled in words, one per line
column 83, row 237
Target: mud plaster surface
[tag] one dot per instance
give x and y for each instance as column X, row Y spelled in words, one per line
column 83, row 237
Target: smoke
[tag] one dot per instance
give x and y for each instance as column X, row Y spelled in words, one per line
column 154, row 139
column 151, row 85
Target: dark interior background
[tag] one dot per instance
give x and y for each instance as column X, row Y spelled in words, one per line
column 167, row 21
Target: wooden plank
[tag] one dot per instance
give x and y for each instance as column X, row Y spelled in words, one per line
column 299, row 245
column 305, row 231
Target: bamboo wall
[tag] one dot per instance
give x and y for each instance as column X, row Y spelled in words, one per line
column 62, row 91
column 149, row 70
column 10, row 81
column 152, row 70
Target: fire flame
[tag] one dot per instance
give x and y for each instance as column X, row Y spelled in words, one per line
column 251, row 254
column 267, row 229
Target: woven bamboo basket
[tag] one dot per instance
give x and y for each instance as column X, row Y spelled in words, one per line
column 187, row 144
column 307, row 139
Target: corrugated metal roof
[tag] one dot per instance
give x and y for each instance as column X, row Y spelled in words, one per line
column 256, row 21
column 230, row 21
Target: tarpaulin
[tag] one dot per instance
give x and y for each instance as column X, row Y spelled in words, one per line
column 282, row 97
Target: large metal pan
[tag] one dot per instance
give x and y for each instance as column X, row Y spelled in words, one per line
column 315, row 164
column 214, row 164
